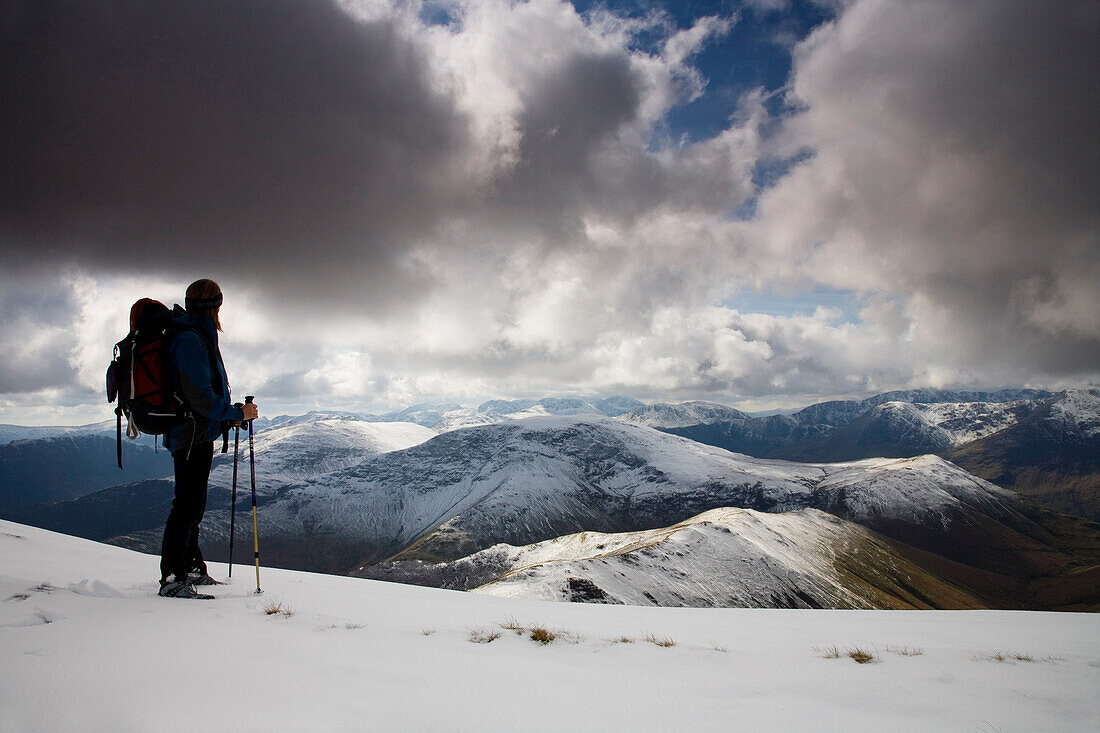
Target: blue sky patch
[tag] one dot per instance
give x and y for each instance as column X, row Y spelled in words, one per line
column 755, row 53
column 787, row 304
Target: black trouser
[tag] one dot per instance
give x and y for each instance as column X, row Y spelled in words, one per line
column 179, row 552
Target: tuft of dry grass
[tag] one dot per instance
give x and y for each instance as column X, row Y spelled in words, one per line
column 858, row 655
column 542, row 635
column 484, row 636
column 427, row 632
column 905, row 651
column 276, row 608
column 570, row 637
column 352, row 626
column 719, row 647
column 511, row 624
column 622, row 640
column 1010, row 657
column 661, row 641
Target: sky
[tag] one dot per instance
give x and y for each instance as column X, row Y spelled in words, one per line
column 764, row 203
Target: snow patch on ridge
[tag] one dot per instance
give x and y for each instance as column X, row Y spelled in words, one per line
column 968, row 421
column 723, row 557
column 1079, row 407
column 664, row 415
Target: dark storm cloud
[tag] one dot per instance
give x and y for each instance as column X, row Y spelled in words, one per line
column 274, row 137
column 572, row 110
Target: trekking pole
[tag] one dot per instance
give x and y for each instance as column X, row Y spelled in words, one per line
column 233, row 510
column 255, row 528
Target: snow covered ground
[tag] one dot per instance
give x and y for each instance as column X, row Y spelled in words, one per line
column 85, row 644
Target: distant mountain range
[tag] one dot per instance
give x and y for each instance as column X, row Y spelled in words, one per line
column 568, row 485
column 892, row 425
column 10, row 433
column 1040, row 444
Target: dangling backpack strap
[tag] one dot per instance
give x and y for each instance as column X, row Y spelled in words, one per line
column 118, row 432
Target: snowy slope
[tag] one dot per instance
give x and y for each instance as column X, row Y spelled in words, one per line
column 721, row 558
column 86, row 645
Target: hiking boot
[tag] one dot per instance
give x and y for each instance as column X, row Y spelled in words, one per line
column 202, row 579
column 180, row 589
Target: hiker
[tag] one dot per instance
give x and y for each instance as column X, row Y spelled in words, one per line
column 197, row 363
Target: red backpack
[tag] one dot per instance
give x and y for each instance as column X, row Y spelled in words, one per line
column 141, row 377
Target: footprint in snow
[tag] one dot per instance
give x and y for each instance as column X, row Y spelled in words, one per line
column 40, row 617
column 96, row 589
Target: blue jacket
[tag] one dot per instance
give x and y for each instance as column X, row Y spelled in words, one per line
column 192, row 364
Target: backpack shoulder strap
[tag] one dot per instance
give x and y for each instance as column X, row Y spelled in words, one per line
column 212, row 354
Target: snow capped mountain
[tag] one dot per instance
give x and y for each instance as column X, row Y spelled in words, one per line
column 964, row 422
column 721, row 558
column 282, row 421
column 848, row 430
column 1052, row 453
column 891, row 429
column 497, row 410
column 932, row 396
column 526, row 481
column 665, row 415
column 10, row 433
column 1079, row 408
column 422, row 414
column 920, row 490
column 316, row 444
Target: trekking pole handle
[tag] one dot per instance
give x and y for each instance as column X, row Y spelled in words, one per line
column 248, row 401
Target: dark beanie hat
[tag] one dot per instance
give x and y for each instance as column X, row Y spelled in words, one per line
column 196, row 305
